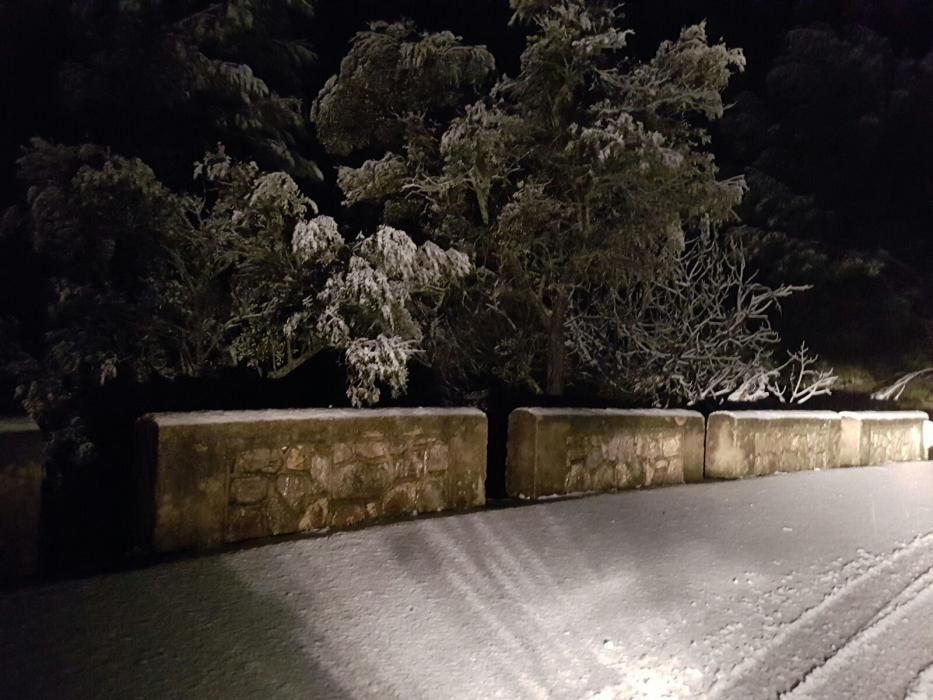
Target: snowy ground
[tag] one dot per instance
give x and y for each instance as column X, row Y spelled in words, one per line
column 811, row 585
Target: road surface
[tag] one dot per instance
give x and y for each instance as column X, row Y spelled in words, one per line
column 809, row 585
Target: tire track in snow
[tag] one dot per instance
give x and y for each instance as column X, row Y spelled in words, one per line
column 528, row 590
column 463, row 574
column 922, row 687
column 818, row 633
column 868, row 665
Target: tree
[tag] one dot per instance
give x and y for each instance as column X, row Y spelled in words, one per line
column 145, row 281
column 155, row 80
column 702, row 333
column 163, row 80
column 570, row 182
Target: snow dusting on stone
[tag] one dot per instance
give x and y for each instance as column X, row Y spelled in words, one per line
column 885, row 415
column 271, row 415
column 631, row 412
column 780, row 415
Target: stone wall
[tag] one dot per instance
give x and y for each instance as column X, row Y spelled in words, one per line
column 21, row 474
column 753, row 443
column 210, row 478
column 878, row 437
column 562, row 451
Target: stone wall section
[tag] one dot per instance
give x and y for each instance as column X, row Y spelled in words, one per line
column 227, row 477
column 754, row 443
column 22, row 470
column 562, row 451
column 879, row 437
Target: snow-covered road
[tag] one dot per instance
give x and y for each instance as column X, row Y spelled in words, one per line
column 810, row 585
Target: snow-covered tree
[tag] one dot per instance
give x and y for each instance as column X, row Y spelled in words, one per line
column 570, row 182
column 145, row 281
column 392, row 74
column 703, row 332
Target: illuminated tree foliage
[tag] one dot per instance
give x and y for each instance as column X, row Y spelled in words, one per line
column 150, row 282
column 573, row 183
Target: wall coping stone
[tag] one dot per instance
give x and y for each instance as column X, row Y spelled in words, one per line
column 885, row 415
column 622, row 412
column 299, row 414
column 779, row 415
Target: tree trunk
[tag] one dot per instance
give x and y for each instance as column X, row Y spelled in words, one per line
column 556, row 352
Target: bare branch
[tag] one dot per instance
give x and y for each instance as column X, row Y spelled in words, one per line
column 893, row 392
column 702, row 333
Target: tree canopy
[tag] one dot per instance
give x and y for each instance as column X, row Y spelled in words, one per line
column 571, row 182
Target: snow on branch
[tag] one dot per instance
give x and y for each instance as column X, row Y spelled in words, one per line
column 893, row 392
column 702, row 332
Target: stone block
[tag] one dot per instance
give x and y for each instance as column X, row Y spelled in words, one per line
column 296, row 489
column 430, row 497
column 22, row 471
column 880, row 437
column 401, row 499
column 246, row 523
column 248, row 489
column 559, row 451
column 295, row 459
column 261, row 459
column 315, row 516
column 345, row 514
column 754, row 443
column 213, row 477
column 360, row 480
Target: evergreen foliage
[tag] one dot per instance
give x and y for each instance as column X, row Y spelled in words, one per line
column 145, row 281
column 572, row 183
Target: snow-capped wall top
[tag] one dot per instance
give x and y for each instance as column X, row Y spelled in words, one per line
column 885, row 415
column 631, row 412
column 273, row 415
column 778, row 415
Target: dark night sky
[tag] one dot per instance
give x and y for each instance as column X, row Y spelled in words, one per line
column 35, row 39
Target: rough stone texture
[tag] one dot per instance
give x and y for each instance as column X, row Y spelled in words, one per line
column 214, row 477
column 21, row 473
column 879, row 437
column 754, row 443
column 561, row 451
